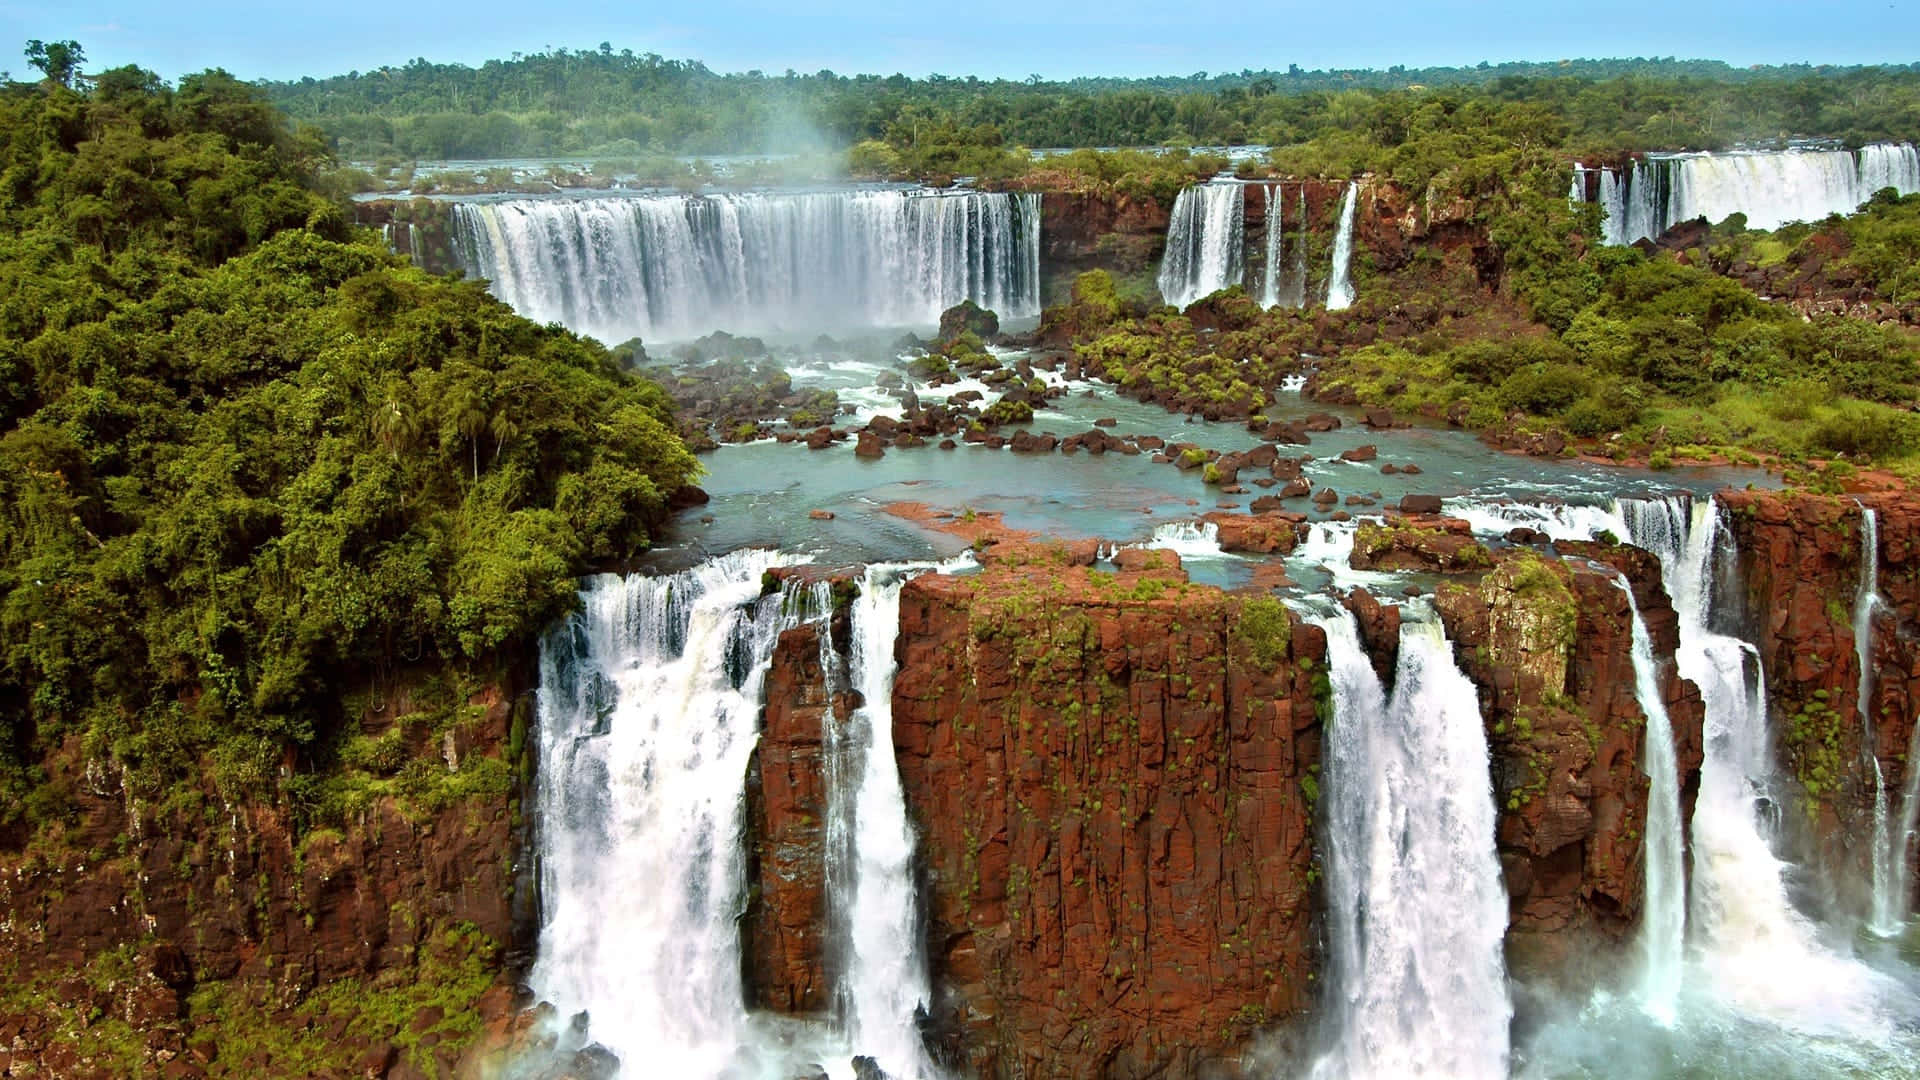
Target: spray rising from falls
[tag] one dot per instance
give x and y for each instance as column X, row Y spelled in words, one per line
column 1417, row 912
column 649, row 702
column 672, row 267
column 1663, row 924
column 1770, row 188
column 1206, row 238
column 1340, row 282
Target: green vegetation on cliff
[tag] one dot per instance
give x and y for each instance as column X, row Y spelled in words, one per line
column 249, row 461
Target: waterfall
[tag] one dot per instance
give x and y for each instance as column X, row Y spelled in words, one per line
column 1772, row 188
column 649, row 702
column 1760, row 955
column 1206, row 237
column 1339, row 283
column 1275, row 198
column 886, row 981
column 1417, row 909
column 1663, row 921
column 1189, row 539
column 1297, row 287
column 1884, row 915
column 672, row 267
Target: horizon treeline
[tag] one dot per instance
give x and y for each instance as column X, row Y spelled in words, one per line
column 608, row 103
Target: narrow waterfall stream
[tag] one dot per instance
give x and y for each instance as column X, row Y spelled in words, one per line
column 649, row 704
column 1663, row 924
column 672, row 267
column 1417, row 909
column 1884, row 915
column 1340, row 279
column 886, row 979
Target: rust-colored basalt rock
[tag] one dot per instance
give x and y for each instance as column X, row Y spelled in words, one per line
column 1110, row 777
column 1567, row 736
column 203, row 892
column 784, row 935
column 1800, row 568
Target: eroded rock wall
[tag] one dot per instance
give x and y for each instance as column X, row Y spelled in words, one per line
column 1799, row 573
column 1548, row 640
column 1112, row 779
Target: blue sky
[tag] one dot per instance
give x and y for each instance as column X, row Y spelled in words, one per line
column 1011, row 38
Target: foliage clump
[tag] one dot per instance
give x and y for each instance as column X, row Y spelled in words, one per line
column 247, row 458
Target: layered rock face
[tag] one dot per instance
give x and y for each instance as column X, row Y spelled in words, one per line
column 281, row 937
column 1799, row 573
column 1567, row 734
column 785, row 933
column 1112, row 779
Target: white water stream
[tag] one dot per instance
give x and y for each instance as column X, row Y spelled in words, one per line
column 1417, row 909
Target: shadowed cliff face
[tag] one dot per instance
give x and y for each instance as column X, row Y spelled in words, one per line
column 1549, row 643
column 1112, row 778
column 1799, row 572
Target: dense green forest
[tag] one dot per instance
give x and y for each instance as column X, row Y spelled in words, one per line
column 250, row 463
column 606, row 103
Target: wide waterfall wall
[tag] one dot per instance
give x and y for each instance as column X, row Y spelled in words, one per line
column 673, row 267
column 1770, row 188
column 1206, row 242
column 1417, row 909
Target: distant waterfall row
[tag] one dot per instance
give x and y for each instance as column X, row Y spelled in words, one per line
column 1207, row 247
column 673, row 267
column 1770, row 188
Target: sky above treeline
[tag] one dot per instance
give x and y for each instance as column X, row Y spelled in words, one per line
column 273, row 39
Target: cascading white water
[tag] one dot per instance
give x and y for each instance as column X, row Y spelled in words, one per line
column 1206, row 240
column 1275, row 198
column 1884, row 916
column 1417, row 909
column 1296, row 294
column 648, row 707
column 1772, row 188
column 1339, row 280
column 886, row 980
column 1663, row 920
column 672, row 267
column 1189, row 539
column 1759, row 955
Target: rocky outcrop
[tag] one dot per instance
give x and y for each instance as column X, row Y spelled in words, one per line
column 1566, row 735
column 203, row 933
column 1799, row 574
column 1111, row 777
column 784, row 935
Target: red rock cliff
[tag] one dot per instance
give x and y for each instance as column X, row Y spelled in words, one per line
column 1567, row 734
column 1112, row 781
column 1799, row 574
